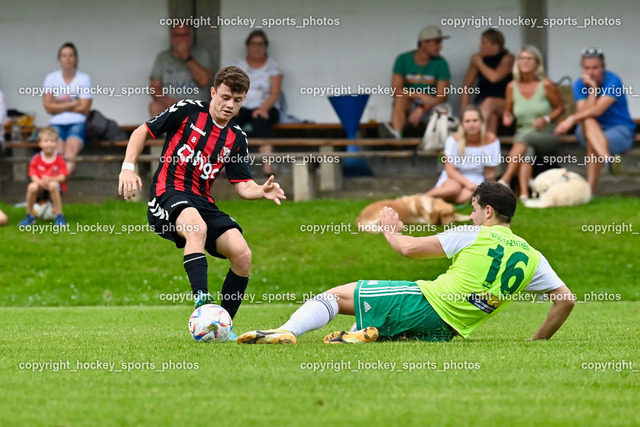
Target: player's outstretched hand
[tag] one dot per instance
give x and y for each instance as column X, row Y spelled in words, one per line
column 128, row 184
column 272, row 190
column 390, row 221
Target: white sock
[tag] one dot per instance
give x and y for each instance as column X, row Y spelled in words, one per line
column 314, row 314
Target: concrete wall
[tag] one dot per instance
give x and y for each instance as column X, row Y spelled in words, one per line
column 118, row 41
column 618, row 39
column 361, row 48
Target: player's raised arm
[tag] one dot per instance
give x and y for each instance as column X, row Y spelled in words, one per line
column 269, row 190
column 409, row 246
column 563, row 302
column 128, row 181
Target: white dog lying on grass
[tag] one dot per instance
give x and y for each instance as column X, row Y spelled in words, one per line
column 558, row 187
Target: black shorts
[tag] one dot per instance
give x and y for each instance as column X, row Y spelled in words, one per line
column 164, row 210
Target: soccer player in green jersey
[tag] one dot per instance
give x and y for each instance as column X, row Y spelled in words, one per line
column 491, row 266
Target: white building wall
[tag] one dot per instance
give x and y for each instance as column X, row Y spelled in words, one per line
column 118, row 41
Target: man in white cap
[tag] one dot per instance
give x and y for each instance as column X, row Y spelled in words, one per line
column 419, row 78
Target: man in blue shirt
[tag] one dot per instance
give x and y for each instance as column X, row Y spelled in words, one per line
column 605, row 125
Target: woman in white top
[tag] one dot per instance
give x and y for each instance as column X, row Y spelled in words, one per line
column 470, row 157
column 67, row 97
column 261, row 107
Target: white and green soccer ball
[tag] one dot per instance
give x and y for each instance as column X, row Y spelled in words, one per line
column 43, row 210
column 210, row 323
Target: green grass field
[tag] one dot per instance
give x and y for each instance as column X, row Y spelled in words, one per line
column 167, row 379
column 89, row 334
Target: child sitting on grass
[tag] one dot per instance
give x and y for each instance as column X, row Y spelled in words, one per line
column 48, row 173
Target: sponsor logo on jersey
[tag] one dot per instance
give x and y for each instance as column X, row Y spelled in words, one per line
column 200, row 131
column 187, row 155
column 486, row 302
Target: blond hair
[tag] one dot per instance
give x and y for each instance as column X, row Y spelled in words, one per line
column 461, row 134
column 48, row 130
column 539, row 74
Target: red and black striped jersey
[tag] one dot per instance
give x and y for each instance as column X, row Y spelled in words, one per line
column 196, row 150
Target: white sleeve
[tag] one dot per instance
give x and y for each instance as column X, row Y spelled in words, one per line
column 85, row 82
column 544, row 279
column 49, row 82
column 451, row 149
column 493, row 154
column 274, row 68
column 458, row 238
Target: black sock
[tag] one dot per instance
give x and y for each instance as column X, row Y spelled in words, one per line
column 233, row 292
column 196, row 267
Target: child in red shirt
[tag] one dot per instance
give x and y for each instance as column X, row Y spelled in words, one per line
column 48, row 173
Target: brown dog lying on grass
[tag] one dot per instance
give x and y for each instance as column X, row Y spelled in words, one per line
column 415, row 209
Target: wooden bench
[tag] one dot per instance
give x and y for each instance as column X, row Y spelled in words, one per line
column 331, row 173
column 304, row 154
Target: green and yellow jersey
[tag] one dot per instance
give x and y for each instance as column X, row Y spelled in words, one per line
column 491, row 265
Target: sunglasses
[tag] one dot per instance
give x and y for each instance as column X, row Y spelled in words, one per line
column 592, row 51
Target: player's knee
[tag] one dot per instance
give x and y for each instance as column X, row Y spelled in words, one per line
column 343, row 291
column 241, row 259
column 194, row 232
column 569, row 303
column 344, row 296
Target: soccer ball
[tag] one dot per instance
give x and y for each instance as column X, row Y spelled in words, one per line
column 43, row 210
column 210, row 323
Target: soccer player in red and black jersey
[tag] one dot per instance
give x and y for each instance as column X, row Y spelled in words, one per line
column 201, row 140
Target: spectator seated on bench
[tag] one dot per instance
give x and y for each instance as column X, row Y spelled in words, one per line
column 535, row 102
column 470, row 158
column 48, row 173
column 68, row 104
column 261, row 108
column 606, row 127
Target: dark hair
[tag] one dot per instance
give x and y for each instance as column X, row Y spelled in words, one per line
column 257, row 33
column 72, row 46
column 494, row 36
column 499, row 197
column 234, row 77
